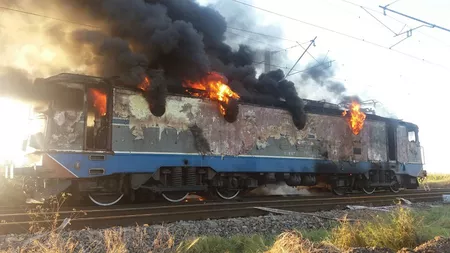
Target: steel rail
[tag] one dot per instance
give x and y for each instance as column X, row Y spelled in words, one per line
column 100, row 211
column 15, row 210
column 102, row 218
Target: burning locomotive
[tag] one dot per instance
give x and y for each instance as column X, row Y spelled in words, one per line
column 105, row 140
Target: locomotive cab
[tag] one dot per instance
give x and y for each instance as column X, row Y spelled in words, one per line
column 74, row 118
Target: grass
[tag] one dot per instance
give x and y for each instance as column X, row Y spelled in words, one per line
column 395, row 230
column 249, row 244
column 438, row 180
column 400, row 229
column 436, row 222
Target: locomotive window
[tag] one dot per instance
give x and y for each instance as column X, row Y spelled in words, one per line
column 97, row 124
column 412, row 136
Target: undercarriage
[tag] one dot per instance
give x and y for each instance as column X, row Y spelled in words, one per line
column 177, row 183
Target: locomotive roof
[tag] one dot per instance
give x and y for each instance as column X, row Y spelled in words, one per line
column 310, row 106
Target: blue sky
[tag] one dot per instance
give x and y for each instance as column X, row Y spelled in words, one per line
column 411, row 88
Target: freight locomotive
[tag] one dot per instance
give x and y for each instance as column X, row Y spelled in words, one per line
column 103, row 141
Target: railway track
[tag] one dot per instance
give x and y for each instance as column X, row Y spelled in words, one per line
column 15, row 221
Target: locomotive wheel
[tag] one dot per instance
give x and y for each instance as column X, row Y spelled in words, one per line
column 105, row 199
column 227, row 194
column 395, row 188
column 340, row 191
column 368, row 190
column 175, row 197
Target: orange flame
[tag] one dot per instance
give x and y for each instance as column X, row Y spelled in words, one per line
column 145, row 84
column 356, row 118
column 99, row 98
column 215, row 88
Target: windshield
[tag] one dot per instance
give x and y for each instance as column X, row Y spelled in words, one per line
column 37, row 131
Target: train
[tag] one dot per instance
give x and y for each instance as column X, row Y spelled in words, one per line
column 101, row 142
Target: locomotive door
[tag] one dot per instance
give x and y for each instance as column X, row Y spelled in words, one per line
column 98, row 118
column 392, row 141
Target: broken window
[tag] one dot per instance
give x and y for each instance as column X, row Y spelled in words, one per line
column 65, row 122
column 412, row 136
column 97, row 123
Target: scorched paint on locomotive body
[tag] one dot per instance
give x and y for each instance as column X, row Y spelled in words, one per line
column 113, row 144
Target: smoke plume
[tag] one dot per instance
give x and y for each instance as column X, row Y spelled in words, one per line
column 17, row 84
column 127, row 39
column 321, row 75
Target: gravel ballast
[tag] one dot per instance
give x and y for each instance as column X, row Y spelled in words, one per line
column 160, row 238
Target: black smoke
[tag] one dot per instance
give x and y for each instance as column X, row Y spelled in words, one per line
column 274, row 82
column 322, row 75
column 16, row 84
column 117, row 56
column 180, row 37
column 157, row 93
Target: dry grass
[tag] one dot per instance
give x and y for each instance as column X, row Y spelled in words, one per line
column 394, row 230
column 114, row 241
column 397, row 230
column 438, row 180
column 292, row 241
column 50, row 215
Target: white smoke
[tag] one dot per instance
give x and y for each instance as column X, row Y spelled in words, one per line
column 279, row 189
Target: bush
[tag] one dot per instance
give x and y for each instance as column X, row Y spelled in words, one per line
column 395, row 231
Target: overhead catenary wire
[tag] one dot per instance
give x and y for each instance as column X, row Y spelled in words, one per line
column 255, row 40
column 416, row 19
column 342, row 34
column 366, row 8
column 313, row 41
column 48, row 17
column 261, row 34
column 328, row 63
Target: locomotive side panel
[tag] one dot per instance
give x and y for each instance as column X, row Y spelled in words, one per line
column 414, row 152
column 192, row 125
column 376, row 141
column 408, row 148
column 402, row 144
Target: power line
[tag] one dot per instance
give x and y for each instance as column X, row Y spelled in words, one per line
column 436, row 39
column 272, row 65
column 309, row 53
column 43, row 16
column 387, row 27
column 341, row 33
column 413, row 18
column 398, row 21
column 252, row 39
column 365, row 8
column 304, row 52
column 285, row 49
column 261, row 34
column 328, row 63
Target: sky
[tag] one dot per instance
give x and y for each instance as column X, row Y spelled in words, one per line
column 409, row 80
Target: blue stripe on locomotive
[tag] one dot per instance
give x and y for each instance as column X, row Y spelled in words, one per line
column 150, row 162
